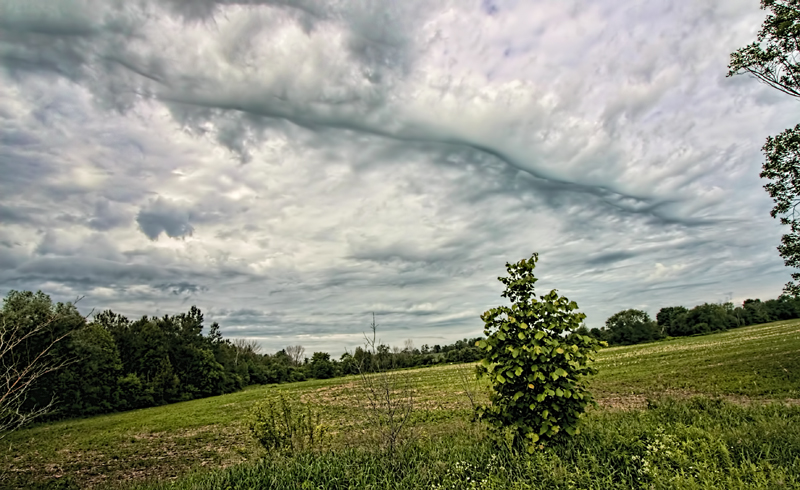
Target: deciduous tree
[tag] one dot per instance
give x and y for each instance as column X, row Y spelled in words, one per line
column 775, row 60
column 536, row 368
column 32, row 333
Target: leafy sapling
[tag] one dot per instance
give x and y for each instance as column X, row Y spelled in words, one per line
column 537, row 371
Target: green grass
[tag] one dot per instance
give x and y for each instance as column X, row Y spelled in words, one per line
column 750, row 367
column 758, row 362
column 690, row 444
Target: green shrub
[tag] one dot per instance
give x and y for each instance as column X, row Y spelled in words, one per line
column 536, row 370
column 285, row 426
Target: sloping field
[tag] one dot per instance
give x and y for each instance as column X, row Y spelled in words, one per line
column 756, row 364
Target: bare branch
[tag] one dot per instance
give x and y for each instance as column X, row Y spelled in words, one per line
column 20, row 372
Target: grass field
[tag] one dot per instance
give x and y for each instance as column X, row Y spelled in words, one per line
column 744, row 433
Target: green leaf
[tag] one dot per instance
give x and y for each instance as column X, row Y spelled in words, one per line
column 518, row 371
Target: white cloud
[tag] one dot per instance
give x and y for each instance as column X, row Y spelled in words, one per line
column 291, row 166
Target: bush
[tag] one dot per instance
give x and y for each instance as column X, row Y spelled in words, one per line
column 536, row 366
column 283, row 426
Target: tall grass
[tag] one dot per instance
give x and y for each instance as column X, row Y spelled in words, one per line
column 689, row 444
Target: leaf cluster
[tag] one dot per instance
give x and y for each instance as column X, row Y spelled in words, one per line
column 536, row 371
column 773, row 59
column 782, row 167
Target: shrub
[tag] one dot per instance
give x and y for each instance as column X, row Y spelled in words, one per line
column 536, row 370
column 284, row 426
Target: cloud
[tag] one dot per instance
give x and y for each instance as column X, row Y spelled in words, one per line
column 163, row 215
column 108, row 215
column 314, row 162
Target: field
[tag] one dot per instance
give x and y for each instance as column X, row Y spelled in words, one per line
column 717, row 411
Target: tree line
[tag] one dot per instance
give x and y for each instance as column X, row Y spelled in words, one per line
column 110, row 363
column 635, row 326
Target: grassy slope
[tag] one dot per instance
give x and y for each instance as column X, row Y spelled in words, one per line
column 758, row 363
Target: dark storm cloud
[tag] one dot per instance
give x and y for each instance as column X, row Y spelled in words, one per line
column 609, row 258
column 116, row 71
column 181, row 288
column 90, row 271
column 161, row 215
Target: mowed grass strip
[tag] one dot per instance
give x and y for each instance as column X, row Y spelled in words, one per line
column 759, row 363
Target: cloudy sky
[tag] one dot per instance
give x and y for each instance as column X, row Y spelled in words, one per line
column 290, row 166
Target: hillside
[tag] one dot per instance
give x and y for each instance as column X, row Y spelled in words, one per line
column 748, row 366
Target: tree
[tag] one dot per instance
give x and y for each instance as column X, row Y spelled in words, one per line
column 387, row 396
column 537, row 373
column 32, row 331
column 775, row 60
column 90, row 385
column 669, row 316
column 631, row 327
column 295, row 353
column 321, row 366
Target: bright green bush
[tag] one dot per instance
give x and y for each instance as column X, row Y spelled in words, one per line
column 536, row 370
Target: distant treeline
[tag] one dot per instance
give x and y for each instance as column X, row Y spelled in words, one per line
column 636, row 326
column 112, row 363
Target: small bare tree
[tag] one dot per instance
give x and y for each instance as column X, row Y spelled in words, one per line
column 247, row 349
column 388, row 395
column 18, row 373
column 295, row 353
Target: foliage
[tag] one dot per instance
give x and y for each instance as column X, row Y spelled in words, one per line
column 631, row 327
column 678, row 321
column 782, row 167
column 321, row 366
column 775, row 60
column 536, row 373
column 33, row 332
column 284, row 426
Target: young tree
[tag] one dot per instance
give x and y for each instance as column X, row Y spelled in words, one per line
column 775, row 60
column 387, row 395
column 536, row 368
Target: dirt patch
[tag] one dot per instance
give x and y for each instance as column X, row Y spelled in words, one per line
column 639, row 401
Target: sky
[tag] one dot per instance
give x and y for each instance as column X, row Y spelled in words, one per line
column 293, row 166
